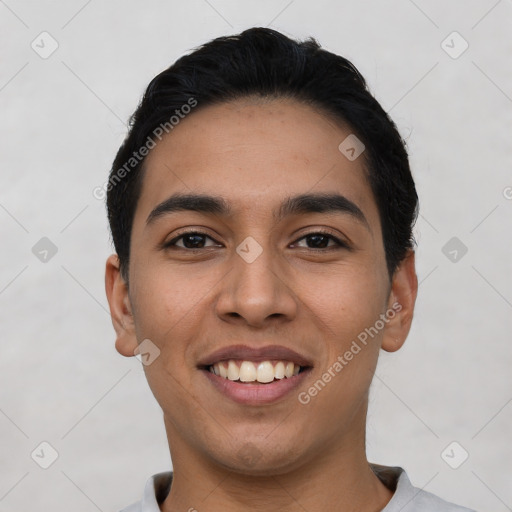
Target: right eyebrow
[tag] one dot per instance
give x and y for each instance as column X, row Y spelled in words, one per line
column 192, row 202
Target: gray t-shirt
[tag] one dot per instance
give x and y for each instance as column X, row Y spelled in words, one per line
column 406, row 498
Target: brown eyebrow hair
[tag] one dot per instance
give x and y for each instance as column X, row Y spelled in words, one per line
column 300, row 204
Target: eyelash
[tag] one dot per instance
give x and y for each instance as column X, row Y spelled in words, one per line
column 339, row 244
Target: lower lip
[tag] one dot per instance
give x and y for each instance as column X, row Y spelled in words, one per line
column 254, row 393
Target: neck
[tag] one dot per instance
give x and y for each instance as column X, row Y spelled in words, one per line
column 339, row 478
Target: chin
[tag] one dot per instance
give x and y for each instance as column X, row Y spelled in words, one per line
column 260, row 458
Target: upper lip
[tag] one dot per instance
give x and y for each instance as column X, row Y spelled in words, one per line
column 259, row 354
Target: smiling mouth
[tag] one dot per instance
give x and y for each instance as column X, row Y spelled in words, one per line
column 262, row 372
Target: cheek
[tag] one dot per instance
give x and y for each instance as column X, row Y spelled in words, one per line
column 345, row 302
column 160, row 313
column 344, row 308
column 168, row 306
column 166, row 309
column 347, row 305
column 166, row 301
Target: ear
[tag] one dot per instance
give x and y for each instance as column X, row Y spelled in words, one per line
column 402, row 297
column 120, row 307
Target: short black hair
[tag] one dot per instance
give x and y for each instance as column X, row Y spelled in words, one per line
column 265, row 63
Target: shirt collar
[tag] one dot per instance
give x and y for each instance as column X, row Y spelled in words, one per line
column 157, row 487
column 156, row 490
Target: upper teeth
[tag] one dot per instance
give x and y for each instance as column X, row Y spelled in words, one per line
column 247, row 371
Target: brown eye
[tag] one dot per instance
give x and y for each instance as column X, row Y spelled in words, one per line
column 191, row 240
column 320, row 241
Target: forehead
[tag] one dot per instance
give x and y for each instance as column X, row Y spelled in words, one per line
column 253, row 153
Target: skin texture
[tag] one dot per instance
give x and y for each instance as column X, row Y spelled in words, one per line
column 254, row 154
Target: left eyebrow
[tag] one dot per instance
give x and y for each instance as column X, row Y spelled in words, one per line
column 294, row 205
column 321, row 203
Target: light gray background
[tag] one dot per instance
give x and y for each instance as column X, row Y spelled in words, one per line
column 62, row 120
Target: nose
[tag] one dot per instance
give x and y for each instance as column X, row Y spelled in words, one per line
column 256, row 292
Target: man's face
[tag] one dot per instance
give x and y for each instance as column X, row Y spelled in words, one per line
column 257, row 276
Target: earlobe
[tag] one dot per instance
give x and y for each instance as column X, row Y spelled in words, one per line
column 120, row 307
column 402, row 298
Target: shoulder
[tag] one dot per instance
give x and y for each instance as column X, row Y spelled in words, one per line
column 408, row 498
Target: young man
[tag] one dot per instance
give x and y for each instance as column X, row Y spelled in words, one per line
column 261, row 209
